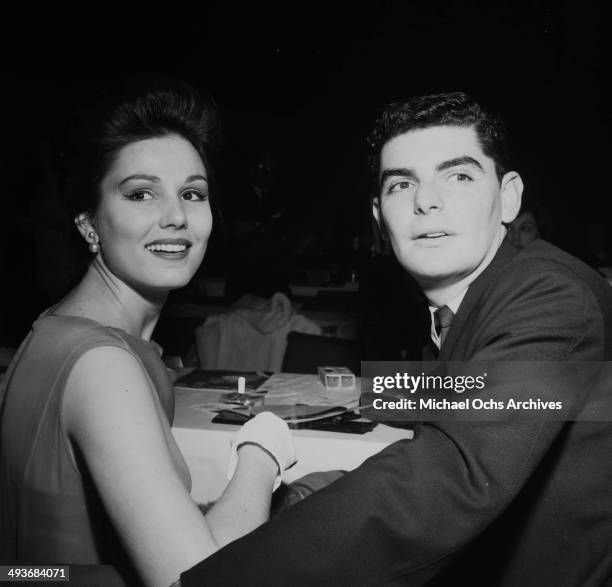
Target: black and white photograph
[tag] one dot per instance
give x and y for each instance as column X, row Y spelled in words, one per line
column 306, row 295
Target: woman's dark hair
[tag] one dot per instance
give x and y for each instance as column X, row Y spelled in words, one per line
column 118, row 113
column 132, row 110
column 451, row 109
column 541, row 215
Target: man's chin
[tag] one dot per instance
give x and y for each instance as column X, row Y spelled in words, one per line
column 434, row 277
column 430, row 280
column 431, row 269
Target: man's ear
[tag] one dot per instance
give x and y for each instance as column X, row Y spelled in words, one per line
column 511, row 194
column 85, row 224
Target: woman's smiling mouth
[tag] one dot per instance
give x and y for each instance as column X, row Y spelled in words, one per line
column 169, row 248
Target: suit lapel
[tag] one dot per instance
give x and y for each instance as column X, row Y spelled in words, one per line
column 503, row 256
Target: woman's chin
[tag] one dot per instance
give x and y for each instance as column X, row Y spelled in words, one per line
column 159, row 292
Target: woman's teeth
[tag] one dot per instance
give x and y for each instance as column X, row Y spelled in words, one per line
column 166, row 248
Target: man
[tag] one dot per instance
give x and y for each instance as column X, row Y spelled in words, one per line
column 515, row 502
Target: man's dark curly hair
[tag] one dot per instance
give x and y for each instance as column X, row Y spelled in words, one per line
column 450, row 109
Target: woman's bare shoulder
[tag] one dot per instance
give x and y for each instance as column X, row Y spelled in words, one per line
column 106, row 380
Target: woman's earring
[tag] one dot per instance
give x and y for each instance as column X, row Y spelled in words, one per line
column 94, row 247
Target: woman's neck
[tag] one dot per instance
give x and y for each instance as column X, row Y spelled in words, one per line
column 101, row 296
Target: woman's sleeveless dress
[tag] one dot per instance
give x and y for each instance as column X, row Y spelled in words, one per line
column 49, row 507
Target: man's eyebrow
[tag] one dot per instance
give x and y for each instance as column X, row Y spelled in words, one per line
column 396, row 172
column 465, row 160
column 152, row 178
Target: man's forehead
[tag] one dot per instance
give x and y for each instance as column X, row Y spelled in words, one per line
column 432, row 145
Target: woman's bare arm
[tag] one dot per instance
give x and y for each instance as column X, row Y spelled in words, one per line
column 110, row 412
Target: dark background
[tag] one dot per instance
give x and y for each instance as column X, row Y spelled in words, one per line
column 305, row 81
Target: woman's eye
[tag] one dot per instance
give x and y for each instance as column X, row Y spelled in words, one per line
column 139, row 195
column 194, row 196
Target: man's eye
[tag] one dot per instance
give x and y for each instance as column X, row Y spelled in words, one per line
column 194, row 196
column 399, row 186
column 461, row 177
column 139, row 195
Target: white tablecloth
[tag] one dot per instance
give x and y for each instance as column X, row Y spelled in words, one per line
column 205, row 445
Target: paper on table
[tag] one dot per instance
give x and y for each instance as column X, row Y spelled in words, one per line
column 285, row 394
column 301, row 413
column 221, row 379
column 302, row 398
column 292, row 389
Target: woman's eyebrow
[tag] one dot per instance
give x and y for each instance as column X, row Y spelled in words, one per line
column 196, row 177
column 152, row 178
column 155, row 179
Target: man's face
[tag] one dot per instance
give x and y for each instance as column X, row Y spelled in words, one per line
column 442, row 203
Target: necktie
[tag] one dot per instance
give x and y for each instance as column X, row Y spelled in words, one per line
column 442, row 320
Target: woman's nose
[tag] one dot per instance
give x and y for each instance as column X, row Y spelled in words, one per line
column 173, row 213
column 513, row 236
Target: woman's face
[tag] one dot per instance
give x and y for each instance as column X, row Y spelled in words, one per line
column 523, row 230
column 154, row 217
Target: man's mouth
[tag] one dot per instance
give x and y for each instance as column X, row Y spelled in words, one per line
column 433, row 235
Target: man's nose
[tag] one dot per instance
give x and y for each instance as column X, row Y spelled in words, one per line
column 427, row 198
column 173, row 213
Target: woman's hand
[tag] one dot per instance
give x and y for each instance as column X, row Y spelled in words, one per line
column 261, row 450
column 270, row 434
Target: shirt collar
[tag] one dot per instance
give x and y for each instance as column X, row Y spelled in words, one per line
column 453, row 305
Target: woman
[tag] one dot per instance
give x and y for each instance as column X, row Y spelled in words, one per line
column 90, row 471
column 532, row 222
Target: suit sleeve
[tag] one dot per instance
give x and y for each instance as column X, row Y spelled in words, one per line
column 409, row 509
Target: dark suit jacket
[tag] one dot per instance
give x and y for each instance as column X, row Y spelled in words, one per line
column 514, row 503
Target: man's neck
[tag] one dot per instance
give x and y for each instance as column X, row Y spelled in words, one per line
column 441, row 295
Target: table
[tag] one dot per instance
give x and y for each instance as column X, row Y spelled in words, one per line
column 205, row 445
